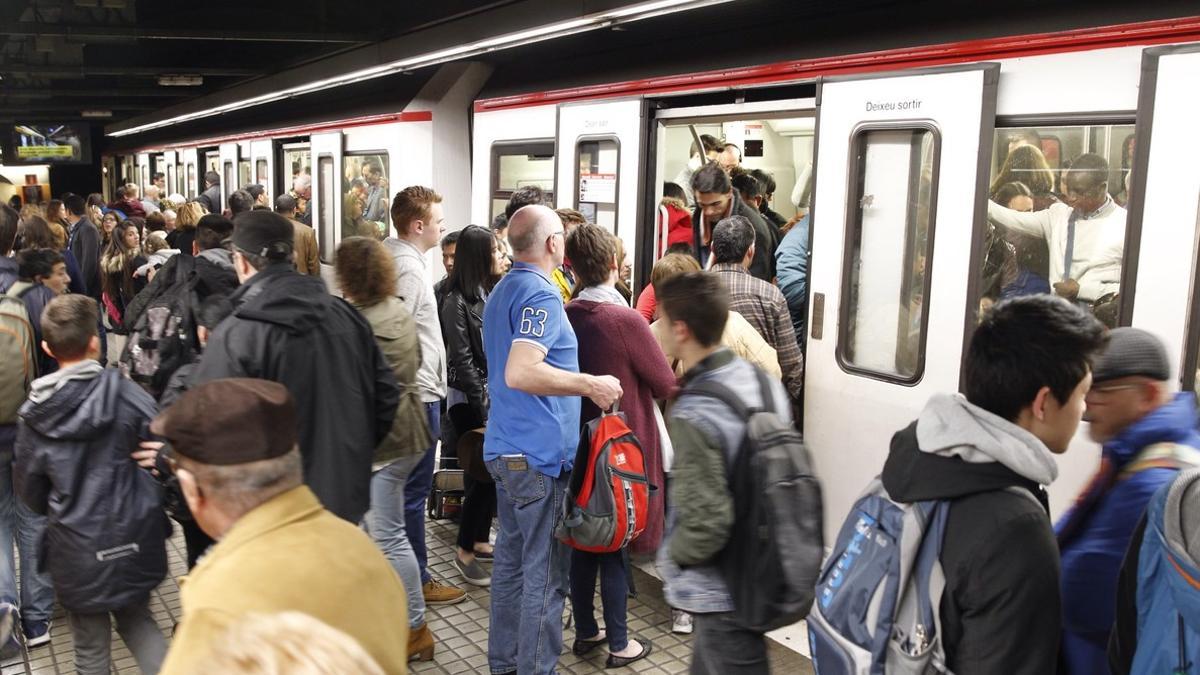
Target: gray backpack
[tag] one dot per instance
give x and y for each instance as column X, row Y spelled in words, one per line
column 17, row 353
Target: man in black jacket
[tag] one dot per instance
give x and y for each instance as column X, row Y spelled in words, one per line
column 286, row 327
column 991, row 454
column 210, row 199
column 716, row 200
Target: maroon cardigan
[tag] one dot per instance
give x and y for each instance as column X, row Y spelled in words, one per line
column 615, row 340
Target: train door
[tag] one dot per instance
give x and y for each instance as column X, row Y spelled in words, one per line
column 245, row 173
column 898, row 195
column 1165, row 192
column 142, row 176
column 511, row 149
column 228, row 171
column 262, row 153
column 599, row 162
column 188, row 158
column 326, row 203
column 170, row 167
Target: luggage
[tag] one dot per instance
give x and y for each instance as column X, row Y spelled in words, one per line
column 607, row 501
column 446, row 497
column 771, row 562
column 17, row 353
column 879, row 595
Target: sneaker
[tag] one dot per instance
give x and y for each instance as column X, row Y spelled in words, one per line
column 440, row 594
column 472, row 572
column 37, row 633
column 681, row 622
column 10, row 646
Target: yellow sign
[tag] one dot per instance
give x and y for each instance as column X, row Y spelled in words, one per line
column 45, row 151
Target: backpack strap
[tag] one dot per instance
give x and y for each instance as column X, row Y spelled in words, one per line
column 1162, row 456
column 725, row 395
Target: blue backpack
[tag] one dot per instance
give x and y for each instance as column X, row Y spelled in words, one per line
column 880, row 591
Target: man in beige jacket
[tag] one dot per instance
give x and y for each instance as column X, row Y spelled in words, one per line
column 306, row 252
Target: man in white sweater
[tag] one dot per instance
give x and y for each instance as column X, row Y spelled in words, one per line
column 1085, row 235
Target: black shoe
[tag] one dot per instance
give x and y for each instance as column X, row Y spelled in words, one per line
column 621, row 661
column 583, row 647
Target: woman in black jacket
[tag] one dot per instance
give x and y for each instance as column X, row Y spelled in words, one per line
column 478, row 264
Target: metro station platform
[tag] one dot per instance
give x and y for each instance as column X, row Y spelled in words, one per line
column 461, row 630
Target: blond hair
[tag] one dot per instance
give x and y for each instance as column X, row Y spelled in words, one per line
column 287, row 643
column 188, row 215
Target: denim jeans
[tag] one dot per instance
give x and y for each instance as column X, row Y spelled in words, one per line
column 92, row 634
column 614, row 595
column 529, row 574
column 721, row 647
column 37, row 595
column 386, row 522
column 416, row 492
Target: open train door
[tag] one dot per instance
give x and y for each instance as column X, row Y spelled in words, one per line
column 599, row 157
column 900, row 187
column 326, row 202
column 229, row 176
column 1164, row 198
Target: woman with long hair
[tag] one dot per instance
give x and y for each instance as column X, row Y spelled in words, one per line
column 38, row 233
column 1031, row 255
column 107, row 223
column 184, row 234
column 615, row 340
column 1027, row 165
column 479, row 261
column 367, row 277
column 56, row 213
column 122, row 256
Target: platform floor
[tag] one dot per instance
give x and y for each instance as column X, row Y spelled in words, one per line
column 461, row 630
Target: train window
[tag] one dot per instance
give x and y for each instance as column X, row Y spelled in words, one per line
column 191, row 181
column 597, row 163
column 213, row 158
column 262, row 176
column 244, row 177
column 172, row 174
column 1056, row 216
column 888, row 250
column 325, row 197
column 229, row 185
column 518, row 165
column 365, row 203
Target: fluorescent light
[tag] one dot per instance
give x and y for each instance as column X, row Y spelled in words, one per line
column 180, row 80
column 96, row 113
column 642, row 10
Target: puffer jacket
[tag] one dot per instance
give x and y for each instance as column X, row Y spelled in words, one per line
column 466, row 369
column 706, row 434
column 104, row 543
column 287, row 328
column 396, row 334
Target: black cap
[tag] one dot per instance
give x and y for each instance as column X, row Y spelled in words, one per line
column 1132, row 352
column 263, row 233
column 230, row 421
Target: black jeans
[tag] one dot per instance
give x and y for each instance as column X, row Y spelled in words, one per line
column 614, row 595
column 479, row 506
column 721, row 647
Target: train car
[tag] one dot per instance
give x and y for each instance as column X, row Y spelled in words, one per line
column 890, row 155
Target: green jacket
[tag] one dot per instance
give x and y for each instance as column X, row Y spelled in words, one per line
column 396, row 334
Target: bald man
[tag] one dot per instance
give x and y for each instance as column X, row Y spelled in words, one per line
column 532, row 432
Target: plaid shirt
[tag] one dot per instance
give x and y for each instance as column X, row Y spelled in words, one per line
column 763, row 305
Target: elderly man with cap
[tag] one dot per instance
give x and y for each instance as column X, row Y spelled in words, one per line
column 1148, row 435
column 286, row 327
column 232, row 446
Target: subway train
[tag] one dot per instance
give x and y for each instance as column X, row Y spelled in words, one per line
column 891, row 154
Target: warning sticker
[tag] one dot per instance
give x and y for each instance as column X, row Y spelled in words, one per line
column 599, row 188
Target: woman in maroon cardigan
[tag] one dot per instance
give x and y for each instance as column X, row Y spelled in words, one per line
column 615, row 340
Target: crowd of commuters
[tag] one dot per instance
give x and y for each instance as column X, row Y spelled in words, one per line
column 300, row 419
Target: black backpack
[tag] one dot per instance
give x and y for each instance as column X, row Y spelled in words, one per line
column 773, row 558
column 162, row 335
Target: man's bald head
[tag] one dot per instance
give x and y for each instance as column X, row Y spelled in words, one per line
column 529, row 228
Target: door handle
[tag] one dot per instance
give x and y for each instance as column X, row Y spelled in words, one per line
column 818, row 316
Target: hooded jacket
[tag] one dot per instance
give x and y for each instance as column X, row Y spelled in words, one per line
column 1000, row 609
column 287, row 328
column 104, row 542
column 1094, row 535
column 396, row 334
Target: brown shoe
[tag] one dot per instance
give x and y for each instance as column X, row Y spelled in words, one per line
column 439, row 594
column 420, row 644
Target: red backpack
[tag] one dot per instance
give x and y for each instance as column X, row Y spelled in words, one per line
column 607, row 500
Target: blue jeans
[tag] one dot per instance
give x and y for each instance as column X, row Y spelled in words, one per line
column 386, row 522
column 529, row 574
column 614, row 594
column 416, row 492
column 37, row 595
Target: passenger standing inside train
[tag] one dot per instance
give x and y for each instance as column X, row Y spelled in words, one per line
column 376, row 209
column 286, row 327
column 791, row 273
column 302, row 192
column 750, row 191
column 532, row 434
column 105, row 533
column 475, row 270
column 307, row 256
column 417, row 217
column 210, row 199
column 1085, row 237
column 730, row 158
column 704, row 432
column 1148, row 435
column 367, row 277
column 615, row 340
column 760, row 303
column 696, row 159
column 992, row 453
column 766, row 183
column 716, row 200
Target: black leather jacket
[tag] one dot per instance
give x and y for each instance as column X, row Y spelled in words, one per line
column 462, row 330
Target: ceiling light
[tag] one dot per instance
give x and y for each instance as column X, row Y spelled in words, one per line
column 549, row 31
column 96, row 113
column 180, row 80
